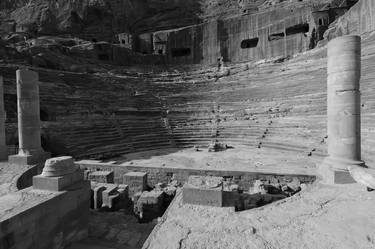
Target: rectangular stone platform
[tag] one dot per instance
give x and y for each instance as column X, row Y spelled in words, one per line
column 206, row 197
column 57, row 183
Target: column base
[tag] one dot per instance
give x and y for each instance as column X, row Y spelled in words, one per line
column 336, row 171
column 57, row 183
column 3, row 153
column 29, row 159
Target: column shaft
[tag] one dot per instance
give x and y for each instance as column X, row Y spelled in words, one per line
column 28, row 112
column 343, row 109
column 30, row 149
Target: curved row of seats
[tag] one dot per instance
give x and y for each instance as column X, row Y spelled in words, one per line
column 272, row 105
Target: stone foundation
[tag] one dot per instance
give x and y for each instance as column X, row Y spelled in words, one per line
column 40, row 219
column 156, row 175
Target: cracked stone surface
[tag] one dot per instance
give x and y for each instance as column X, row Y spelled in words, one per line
column 321, row 216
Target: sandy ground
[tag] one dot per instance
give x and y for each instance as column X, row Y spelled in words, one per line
column 321, row 216
column 8, row 176
column 241, row 158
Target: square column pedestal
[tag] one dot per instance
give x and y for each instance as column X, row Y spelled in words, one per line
column 37, row 158
column 3, row 152
column 334, row 171
column 57, row 183
column 58, row 174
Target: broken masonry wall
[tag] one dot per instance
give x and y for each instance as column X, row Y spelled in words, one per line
column 157, row 175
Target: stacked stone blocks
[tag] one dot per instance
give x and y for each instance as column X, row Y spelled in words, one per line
column 109, row 196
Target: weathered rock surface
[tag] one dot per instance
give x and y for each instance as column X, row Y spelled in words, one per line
column 98, row 19
column 319, row 217
column 358, row 20
column 101, row 19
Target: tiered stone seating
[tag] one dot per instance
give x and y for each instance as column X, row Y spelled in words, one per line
column 269, row 105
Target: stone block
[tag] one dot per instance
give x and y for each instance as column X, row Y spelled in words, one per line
column 338, row 177
column 150, row 205
column 203, row 190
column 123, row 200
column 58, row 183
column 101, row 176
column 109, row 195
column 98, row 196
column 333, row 175
column 136, row 181
column 201, row 196
column 154, row 197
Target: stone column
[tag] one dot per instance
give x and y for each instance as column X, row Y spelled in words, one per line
column 30, row 149
column 3, row 147
column 343, row 109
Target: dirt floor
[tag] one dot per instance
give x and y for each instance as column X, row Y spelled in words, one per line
column 321, row 217
column 242, row 158
column 8, row 177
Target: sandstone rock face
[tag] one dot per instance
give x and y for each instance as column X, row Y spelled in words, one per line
column 102, row 19
column 358, row 20
column 95, row 19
